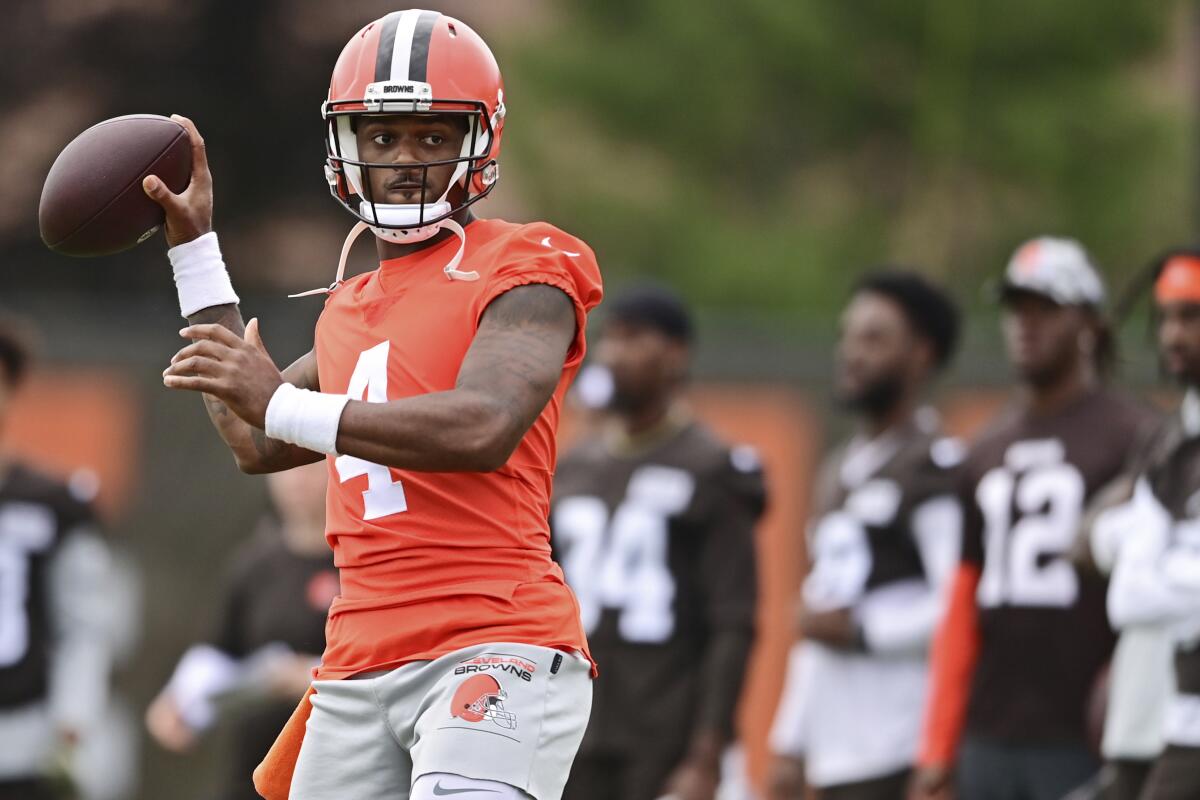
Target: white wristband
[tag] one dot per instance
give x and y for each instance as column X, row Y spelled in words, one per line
column 200, row 275
column 305, row 418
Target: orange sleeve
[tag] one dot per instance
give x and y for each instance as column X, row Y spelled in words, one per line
column 952, row 663
column 273, row 777
column 534, row 256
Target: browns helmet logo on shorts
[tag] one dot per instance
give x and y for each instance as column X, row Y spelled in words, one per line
column 481, row 697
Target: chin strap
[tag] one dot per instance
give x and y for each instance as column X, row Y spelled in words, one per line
column 452, row 271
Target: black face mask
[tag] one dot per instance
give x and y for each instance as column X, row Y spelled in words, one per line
column 877, row 398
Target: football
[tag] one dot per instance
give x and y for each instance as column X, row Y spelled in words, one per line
column 92, row 202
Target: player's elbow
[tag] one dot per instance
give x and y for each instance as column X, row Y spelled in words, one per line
column 491, row 441
column 250, row 467
column 490, row 450
column 250, row 463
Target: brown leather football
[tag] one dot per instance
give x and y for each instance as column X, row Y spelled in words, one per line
column 92, row 202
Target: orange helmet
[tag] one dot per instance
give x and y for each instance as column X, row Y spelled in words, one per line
column 480, row 697
column 414, row 62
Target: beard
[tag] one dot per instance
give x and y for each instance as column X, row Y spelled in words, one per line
column 876, row 398
column 627, row 399
column 1050, row 371
column 624, row 402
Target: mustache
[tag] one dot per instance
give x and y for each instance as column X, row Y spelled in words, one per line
column 402, row 184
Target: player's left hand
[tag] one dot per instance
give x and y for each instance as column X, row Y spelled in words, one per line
column 237, row 371
column 693, row 780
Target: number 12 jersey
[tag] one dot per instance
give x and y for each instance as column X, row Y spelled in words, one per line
column 1044, row 634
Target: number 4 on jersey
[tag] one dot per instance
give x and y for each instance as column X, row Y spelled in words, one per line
column 369, row 382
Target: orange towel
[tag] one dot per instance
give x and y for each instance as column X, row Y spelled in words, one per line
column 273, row 777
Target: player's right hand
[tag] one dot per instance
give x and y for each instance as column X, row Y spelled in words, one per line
column 931, row 782
column 166, row 725
column 189, row 214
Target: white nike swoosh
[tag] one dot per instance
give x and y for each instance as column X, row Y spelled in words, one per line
column 439, row 791
column 546, row 243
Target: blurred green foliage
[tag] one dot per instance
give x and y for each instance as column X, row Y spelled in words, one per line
column 759, row 154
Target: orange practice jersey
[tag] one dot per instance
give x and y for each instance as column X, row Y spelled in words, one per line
column 432, row 562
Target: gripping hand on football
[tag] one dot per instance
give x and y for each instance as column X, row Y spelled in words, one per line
column 237, row 371
column 189, row 214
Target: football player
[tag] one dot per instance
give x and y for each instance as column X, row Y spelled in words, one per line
column 56, row 642
column 269, row 635
column 1025, row 635
column 653, row 521
column 1155, row 581
column 883, row 542
column 1135, row 692
column 433, row 391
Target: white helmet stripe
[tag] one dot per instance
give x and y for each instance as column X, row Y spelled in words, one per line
column 387, row 43
column 403, row 44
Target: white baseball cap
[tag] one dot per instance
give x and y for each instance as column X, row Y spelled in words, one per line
column 1059, row 269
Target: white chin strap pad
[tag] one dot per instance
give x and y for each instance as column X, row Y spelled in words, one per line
column 408, row 215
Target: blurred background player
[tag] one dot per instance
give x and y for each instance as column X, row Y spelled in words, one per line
column 56, row 615
column 653, row 521
column 1134, row 692
column 883, row 543
column 1156, row 553
column 1026, row 636
column 1128, row 528
column 269, row 636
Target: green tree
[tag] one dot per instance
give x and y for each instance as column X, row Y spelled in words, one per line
column 759, row 153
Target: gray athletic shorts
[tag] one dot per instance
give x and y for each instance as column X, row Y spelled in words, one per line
column 512, row 713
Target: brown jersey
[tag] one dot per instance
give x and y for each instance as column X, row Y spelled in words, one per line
column 659, row 548
column 861, row 532
column 37, row 515
column 1044, row 632
column 1170, row 467
column 1170, row 464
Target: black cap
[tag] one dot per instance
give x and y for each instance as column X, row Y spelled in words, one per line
column 655, row 307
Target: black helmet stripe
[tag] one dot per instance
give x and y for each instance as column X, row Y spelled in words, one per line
column 418, row 59
column 387, row 44
column 403, row 53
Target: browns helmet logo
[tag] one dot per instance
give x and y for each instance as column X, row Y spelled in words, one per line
column 480, row 697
